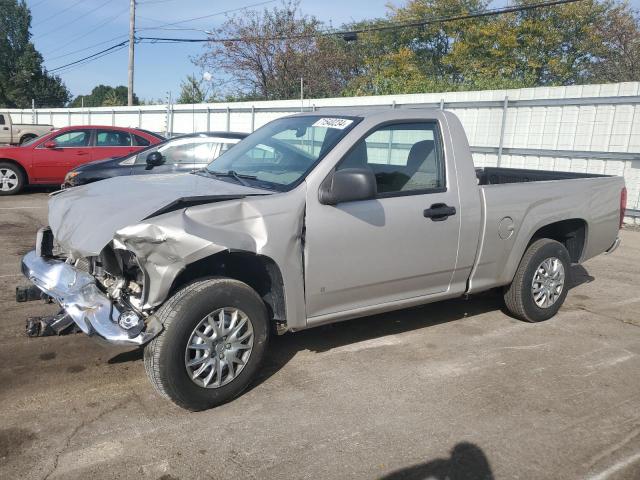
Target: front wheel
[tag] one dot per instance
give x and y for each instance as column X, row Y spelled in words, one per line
column 214, row 339
column 541, row 282
column 11, row 179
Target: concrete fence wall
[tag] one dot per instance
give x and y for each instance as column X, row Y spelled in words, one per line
column 590, row 128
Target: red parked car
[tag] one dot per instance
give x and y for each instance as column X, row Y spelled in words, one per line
column 46, row 160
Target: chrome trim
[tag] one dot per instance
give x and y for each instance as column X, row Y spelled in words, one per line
column 614, row 246
column 77, row 293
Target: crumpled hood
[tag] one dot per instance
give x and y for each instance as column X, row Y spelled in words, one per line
column 84, row 219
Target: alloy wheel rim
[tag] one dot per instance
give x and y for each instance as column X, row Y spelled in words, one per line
column 219, row 347
column 548, row 282
column 8, row 179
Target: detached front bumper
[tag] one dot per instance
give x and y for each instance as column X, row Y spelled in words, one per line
column 77, row 293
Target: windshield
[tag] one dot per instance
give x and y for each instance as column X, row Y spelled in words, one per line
column 282, row 152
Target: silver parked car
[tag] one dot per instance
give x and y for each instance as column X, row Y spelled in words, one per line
column 312, row 219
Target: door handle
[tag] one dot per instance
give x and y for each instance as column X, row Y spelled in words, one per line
column 82, row 153
column 5, row 128
column 439, row 212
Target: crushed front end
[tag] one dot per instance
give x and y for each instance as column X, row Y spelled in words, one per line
column 102, row 294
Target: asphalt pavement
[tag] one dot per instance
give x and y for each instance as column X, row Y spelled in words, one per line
column 456, row 389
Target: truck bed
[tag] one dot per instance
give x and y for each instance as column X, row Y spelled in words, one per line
column 499, row 175
column 516, row 203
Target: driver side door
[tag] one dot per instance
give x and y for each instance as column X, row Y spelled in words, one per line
column 5, row 129
column 69, row 149
column 385, row 250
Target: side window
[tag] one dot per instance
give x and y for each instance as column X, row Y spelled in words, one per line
column 141, row 141
column 404, row 157
column 112, row 138
column 224, row 146
column 202, row 152
column 73, row 139
column 184, row 152
column 1, row 119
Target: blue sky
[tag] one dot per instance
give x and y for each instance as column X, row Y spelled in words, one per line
column 62, row 27
column 67, row 30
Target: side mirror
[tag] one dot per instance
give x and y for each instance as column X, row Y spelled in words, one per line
column 154, row 159
column 50, row 144
column 348, row 185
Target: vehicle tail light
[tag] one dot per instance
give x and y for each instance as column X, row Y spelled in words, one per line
column 623, row 204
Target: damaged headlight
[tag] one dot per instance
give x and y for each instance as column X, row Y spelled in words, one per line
column 70, row 178
column 120, row 276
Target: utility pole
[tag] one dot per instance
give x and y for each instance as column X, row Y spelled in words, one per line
column 302, row 94
column 132, row 43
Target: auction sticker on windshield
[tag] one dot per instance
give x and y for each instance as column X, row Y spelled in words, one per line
column 339, row 123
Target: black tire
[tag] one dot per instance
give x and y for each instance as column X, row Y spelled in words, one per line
column 518, row 296
column 11, row 171
column 164, row 356
column 26, row 138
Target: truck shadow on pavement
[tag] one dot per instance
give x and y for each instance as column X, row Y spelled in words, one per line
column 322, row 339
column 467, row 462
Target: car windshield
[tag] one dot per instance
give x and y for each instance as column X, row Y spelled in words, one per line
column 282, row 152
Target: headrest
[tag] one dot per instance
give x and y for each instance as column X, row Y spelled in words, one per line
column 419, row 153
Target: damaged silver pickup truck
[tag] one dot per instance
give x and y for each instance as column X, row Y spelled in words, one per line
column 312, row 219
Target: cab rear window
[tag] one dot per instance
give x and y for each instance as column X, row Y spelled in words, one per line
column 141, row 141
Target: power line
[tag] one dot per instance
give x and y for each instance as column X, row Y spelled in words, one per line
column 397, row 26
column 80, row 65
column 112, row 47
column 486, row 13
column 90, row 31
column 160, row 27
column 153, row 2
column 86, row 48
column 59, row 13
column 224, row 12
column 36, row 4
column 74, row 20
column 86, row 61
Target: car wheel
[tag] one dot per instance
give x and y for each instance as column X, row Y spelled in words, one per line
column 541, row 282
column 11, row 179
column 214, row 340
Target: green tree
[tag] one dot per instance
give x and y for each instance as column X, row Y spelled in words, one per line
column 584, row 42
column 273, row 49
column 619, row 56
column 104, row 96
column 193, row 90
column 22, row 75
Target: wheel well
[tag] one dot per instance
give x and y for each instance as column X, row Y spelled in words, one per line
column 571, row 233
column 258, row 271
column 27, row 136
column 13, row 162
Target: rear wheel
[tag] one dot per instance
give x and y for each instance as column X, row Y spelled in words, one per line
column 26, row 138
column 11, row 179
column 214, row 339
column 541, row 283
